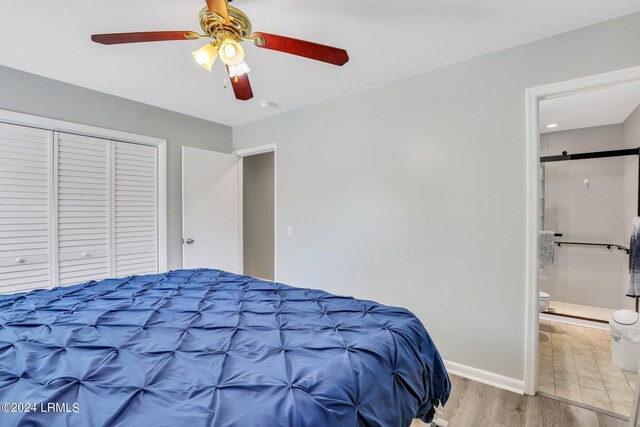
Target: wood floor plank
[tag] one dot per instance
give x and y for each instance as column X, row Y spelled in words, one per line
column 474, row 404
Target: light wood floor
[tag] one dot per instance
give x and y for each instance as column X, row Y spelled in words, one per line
column 474, row 404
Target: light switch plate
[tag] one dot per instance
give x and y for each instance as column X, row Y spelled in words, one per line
column 290, row 231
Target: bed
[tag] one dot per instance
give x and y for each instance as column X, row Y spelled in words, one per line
column 211, row 348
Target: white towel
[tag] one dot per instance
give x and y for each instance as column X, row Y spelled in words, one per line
column 634, row 260
column 546, row 249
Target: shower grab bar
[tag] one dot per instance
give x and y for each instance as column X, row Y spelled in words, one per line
column 606, row 245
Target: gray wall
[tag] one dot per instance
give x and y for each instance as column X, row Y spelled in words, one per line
column 27, row 93
column 258, row 215
column 414, row 193
column 631, row 139
column 590, row 276
column 632, row 129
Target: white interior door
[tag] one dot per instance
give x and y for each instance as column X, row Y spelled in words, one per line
column 210, row 210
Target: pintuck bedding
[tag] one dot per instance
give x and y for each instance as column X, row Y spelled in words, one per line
column 211, row 348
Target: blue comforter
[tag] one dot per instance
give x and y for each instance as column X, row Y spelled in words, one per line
column 210, row 348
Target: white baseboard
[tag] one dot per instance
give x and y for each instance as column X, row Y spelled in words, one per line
column 485, row 377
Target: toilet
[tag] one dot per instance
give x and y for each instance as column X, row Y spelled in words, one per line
column 545, row 301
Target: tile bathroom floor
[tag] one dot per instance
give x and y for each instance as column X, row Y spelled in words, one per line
column 575, row 364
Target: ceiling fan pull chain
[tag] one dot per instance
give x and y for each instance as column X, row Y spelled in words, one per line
column 224, row 83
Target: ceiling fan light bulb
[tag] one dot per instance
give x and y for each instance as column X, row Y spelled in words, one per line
column 206, row 56
column 201, row 58
column 229, row 50
column 231, row 53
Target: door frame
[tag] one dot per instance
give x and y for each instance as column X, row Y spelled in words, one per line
column 246, row 152
column 533, row 97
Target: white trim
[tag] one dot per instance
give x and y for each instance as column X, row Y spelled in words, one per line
column 532, row 299
column 11, row 117
column 53, row 210
column 256, row 150
column 241, row 214
column 111, row 173
column 533, row 98
column 163, row 225
column 45, row 123
column 268, row 148
column 183, row 232
column 275, row 213
column 485, row 377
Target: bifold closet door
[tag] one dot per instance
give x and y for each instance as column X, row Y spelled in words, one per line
column 74, row 208
column 83, row 176
column 135, row 209
column 25, row 229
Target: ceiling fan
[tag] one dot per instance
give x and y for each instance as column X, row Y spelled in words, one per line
column 226, row 27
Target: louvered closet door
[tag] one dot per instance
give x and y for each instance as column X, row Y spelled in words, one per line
column 83, row 172
column 24, row 208
column 136, row 214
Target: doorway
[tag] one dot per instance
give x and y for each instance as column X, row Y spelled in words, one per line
column 229, row 210
column 259, row 211
column 544, row 342
column 258, row 215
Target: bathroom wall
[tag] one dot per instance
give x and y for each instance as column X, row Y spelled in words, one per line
column 631, row 139
column 593, row 276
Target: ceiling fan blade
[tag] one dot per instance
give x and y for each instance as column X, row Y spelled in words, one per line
column 319, row 52
column 242, row 87
column 219, row 7
column 154, row 36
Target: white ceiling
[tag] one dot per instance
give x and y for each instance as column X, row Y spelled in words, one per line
column 386, row 41
column 605, row 106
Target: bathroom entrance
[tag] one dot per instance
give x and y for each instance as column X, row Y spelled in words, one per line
column 584, row 164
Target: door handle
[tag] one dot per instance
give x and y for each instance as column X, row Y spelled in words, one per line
column 189, row 241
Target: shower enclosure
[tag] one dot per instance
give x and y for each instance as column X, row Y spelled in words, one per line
column 588, row 198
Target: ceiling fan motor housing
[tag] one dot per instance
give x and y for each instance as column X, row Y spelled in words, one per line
column 213, row 24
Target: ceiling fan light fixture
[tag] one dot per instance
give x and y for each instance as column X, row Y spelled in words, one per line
column 238, row 70
column 231, row 53
column 206, row 56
